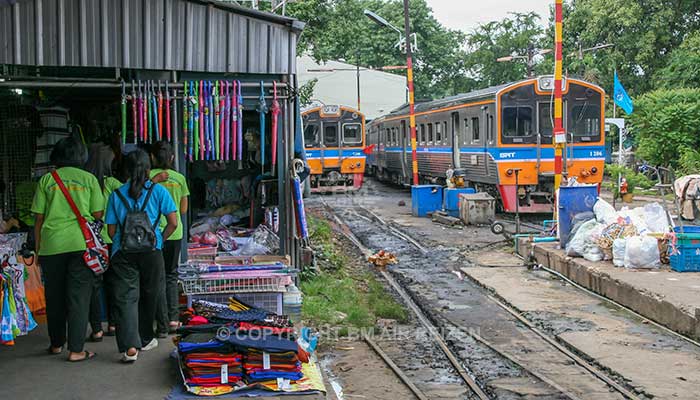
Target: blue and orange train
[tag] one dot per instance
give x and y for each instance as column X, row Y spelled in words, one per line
column 494, row 134
column 334, row 140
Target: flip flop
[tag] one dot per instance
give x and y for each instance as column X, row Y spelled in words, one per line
column 88, row 356
column 111, row 331
column 95, row 339
column 51, row 351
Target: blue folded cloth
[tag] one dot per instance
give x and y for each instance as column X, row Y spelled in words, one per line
column 292, row 376
column 268, row 343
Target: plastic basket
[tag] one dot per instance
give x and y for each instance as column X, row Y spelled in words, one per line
column 269, row 301
column 687, row 258
column 234, row 285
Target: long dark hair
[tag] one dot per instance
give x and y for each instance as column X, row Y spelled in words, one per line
column 68, row 152
column 100, row 159
column 163, row 155
column 138, row 166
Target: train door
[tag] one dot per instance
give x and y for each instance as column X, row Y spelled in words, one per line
column 330, row 140
column 488, row 136
column 455, row 140
column 404, row 144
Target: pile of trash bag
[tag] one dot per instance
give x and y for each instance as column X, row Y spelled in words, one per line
column 631, row 238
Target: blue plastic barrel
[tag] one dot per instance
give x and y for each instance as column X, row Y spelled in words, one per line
column 574, row 200
column 451, row 199
column 425, row 199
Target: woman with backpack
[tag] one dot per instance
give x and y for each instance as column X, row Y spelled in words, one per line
column 136, row 272
column 162, row 158
column 68, row 281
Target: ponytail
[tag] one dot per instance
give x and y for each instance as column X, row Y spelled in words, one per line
column 138, row 167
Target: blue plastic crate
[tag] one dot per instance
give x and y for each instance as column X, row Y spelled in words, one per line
column 451, row 199
column 425, row 199
column 688, row 246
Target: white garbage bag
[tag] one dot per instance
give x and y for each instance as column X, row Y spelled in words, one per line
column 642, row 252
column 655, row 218
column 604, row 212
column 618, row 251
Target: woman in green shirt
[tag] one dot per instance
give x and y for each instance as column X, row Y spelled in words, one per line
column 68, row 282
column 162, row 158
column 100, row 163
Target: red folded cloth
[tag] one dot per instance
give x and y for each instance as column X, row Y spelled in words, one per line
column 247, row 326
column 198, row 320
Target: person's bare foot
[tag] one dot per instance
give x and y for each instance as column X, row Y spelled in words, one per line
column 82, row 356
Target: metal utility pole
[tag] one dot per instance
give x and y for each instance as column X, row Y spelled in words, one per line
column 529, row 58
column 411, row 97
column 559, row 136
column 409, row 76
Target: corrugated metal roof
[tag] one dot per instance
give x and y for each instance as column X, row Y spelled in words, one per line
column 183, row 35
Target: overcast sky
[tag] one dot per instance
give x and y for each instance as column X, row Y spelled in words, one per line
column 466, row 15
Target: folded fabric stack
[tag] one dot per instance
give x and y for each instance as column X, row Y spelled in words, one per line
column 226, row 347
column 206, row 361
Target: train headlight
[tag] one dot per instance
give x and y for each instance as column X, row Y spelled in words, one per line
column 358, row 165
column 594, row 170
column 510, row 172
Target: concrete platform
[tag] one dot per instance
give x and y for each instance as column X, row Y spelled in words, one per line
column 667, row 297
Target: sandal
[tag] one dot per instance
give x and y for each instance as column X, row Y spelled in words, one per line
column 51, row 350
column 95, row 339
column 111, row 331
column 88, row 356
column 127, row 359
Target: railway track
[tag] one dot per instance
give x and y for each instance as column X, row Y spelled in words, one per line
column 480, row 388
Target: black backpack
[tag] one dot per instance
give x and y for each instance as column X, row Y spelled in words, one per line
column 138, row 234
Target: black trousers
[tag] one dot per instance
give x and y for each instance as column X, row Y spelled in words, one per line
column 169, row 299
column 136, row 283
column 68, row 286
column 100, row 298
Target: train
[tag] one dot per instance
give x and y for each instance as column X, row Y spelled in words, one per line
column 334, row 141
column 493, row 137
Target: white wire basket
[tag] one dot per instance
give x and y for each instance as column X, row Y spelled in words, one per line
column 235, row 285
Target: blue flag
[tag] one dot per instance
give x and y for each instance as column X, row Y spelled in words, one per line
column 621, row 97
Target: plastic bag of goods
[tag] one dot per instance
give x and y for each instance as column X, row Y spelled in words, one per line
column 655, row 218
column 604, row 212
column 618, row 252
column 642, row 252
column 583, row 242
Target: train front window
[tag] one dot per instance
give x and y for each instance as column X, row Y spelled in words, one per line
column 352, row 133
column 585, row 120
column 311, row 135
column 517, row 121
column 545, row 119
column 330, row 135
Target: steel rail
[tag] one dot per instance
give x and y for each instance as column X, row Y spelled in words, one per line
column 476, row 389
column 578, row 360
column 398, row 371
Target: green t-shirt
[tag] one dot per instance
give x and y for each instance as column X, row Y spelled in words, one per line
column 177, row 187
column 111, row 184
column 61, row 232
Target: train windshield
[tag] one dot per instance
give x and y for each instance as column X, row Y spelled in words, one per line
column 545, row 119
column 311, row 138
column 517, row 121
column 352, row 133
column 585, row 120
column 330, row 135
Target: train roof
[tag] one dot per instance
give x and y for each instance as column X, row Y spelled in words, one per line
column 452, row 100
column 486, row 93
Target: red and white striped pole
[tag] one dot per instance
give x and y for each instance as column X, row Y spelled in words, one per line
column 411, row 101
column 559, row 132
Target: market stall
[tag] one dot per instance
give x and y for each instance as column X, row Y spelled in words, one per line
column 216, row 81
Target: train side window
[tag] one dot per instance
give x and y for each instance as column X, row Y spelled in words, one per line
column 490, row 128
column 422, row 133
column 517, row 121
column 430, row 133
column 311, row 135
column 352, row 133
column 475, row 129
column 445, row 137
column 438, row 133
column 330, row 135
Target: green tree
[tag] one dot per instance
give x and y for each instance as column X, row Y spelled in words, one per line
column 509, row 36
column 683, row 68
column 337, row 29
column 666, row 125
